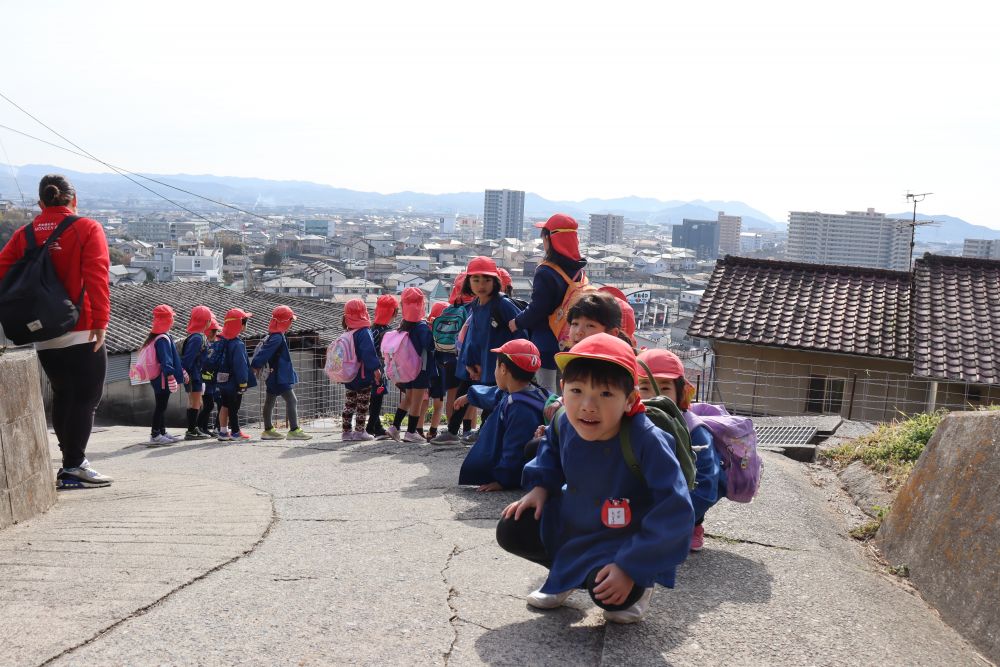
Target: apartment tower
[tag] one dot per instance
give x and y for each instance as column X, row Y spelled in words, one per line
column 607, row 229
column 857, row 238
column 503, row 214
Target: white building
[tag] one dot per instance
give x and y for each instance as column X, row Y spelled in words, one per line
column 857, row 238
column 981, row 248
column 324, row 277
column 447, row 225
column 730, row 227
column 413, row 263
column 293, row 286
column 607, row 228
column 503, row 214
column 199, row 264
column 357, row 287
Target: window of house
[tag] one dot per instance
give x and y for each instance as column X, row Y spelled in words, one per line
column 825, row 394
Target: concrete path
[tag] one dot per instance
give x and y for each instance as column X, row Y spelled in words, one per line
column 367, row 553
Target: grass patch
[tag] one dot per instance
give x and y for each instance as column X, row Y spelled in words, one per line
column 892, row 448
column 867, row 530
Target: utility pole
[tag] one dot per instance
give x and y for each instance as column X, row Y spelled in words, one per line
column 919, row 197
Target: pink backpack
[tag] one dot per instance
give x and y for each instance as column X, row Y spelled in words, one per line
column 342, row 363
column 402, row 363
column 736, row 442
column 147, row 366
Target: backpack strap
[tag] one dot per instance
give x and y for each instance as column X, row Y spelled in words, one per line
column 649, row 373
column 32, row 242
column 565, row 276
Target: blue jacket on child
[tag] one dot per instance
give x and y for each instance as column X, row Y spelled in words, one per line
column 191, row 355
column 498, row 454
column 277, row 355
column 580, row 475
column 364, row 348
column 235, row 362
column 170, row 363
column 486, row 333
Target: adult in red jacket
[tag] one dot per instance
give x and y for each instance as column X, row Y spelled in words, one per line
column 77, row 361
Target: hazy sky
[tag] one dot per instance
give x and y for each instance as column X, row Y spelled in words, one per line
column 785, row 106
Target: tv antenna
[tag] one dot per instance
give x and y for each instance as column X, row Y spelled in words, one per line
column 916, row 198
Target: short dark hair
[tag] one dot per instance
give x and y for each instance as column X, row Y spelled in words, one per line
column 519, row 373
column 600, row 307
column 467, row 286
column 55, row 190
column 599, row 372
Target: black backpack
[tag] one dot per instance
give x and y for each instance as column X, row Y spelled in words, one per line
column 34, row 305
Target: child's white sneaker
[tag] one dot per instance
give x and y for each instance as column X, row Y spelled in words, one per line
column 633, row 614
column 415, row 438
column 540, row 600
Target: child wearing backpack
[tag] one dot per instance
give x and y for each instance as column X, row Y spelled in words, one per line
column 191, row 357
column 233, row 377
column 282, row 378
column 410, row 349
column 438, row 389
column 171, row 372
column 208, row 369
column 608, row 508
column 386, row 308
column 497, row 458
column 668, row 376
column 555, row 282
column 364, row 369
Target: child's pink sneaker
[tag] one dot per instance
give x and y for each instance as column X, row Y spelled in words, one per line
column 698, row 538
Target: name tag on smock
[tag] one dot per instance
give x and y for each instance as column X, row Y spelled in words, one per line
column 616, row 513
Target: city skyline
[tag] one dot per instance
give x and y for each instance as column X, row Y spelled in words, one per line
column 783, row 108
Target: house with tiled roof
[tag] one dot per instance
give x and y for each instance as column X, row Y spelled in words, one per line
column 793, row 338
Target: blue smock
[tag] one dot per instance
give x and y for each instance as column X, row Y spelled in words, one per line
column 487, row 332
column 276, row 354
column 170, row 364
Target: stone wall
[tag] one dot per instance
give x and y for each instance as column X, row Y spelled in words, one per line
column 945, row 526
column 27, row 482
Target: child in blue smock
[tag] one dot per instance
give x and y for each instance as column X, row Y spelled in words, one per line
column 281, row 378
column 489, row 313
column 497, row 458
column 414, row 311
column 603, row 526
column 668, row 373
column 171, row 373
column 358, row 391
column 192, row 350
column 234, row 376
column 208, row 368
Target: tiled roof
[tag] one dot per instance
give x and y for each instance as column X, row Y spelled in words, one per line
column 956, row 311
column 132, row 307
column 848, row 310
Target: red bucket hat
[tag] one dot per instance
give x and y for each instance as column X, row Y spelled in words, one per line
column 233, row 323
column 563, row 235
column 456, row 296
column 281, row 320
column 385, row 309
column 200, row 318
column 413, row 304
column 666, row 364
column 163, row 319
column 436, row 309
column 356, row 314
column 482, row 266
column 505, row 279
column 523, row 353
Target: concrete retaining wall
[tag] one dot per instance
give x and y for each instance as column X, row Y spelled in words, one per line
column 27, row 482
column 945, row 526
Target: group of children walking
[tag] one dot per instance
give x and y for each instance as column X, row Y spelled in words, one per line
column 618, row 473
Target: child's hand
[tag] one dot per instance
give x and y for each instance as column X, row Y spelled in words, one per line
column 540, row 431
column 492, row 486
column 552, row 409
column 512, row 325
column 378, row 376
column 535, row 498
column 461, row 402
column 613, row 584
column 187, row 378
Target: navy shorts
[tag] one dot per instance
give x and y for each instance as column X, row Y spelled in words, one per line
column 194, row 385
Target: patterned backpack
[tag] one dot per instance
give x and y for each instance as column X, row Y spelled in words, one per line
column 147, row 366
column 575, row 290
column 342, row 363
column 736, row 442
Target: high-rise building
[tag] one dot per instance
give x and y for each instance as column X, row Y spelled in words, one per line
column 606, row 228
column 503, row 214
column 857, row 238
column 981, row 248
column 730, row 227
column 447, row 225
column 702, row 236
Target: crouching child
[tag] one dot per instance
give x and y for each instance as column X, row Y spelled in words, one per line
column 515, row 405
column 608, row 508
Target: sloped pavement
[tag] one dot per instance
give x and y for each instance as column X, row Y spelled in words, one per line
column 367, row 553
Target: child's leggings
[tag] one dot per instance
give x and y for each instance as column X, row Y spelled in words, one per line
column 160, row 411
column 207, row 405
column 232, row 402
column 291, row 409
column 356, row 402
column 524, row 538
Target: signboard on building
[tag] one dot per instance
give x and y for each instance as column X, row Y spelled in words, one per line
column 638, row 298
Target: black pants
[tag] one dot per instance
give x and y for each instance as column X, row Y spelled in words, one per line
column 205, row 416
column 232, row 401
column 160, row 411
column 77, row 377
column 524, row 538
column 374, row 425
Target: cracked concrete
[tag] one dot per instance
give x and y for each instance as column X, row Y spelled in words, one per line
column 371, row 555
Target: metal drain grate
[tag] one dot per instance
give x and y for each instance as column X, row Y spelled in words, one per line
column 785, row 436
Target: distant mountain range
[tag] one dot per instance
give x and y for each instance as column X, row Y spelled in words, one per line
column 109, row 188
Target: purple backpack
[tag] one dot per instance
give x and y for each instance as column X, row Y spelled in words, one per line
column 736, row 442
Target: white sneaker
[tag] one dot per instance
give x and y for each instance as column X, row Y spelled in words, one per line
column 540, row 600
column 363, row 436
column 446, row 438
column 346, row 436
column 161, row 440
column 82, row 477
column 633, row 614
column 415, row 438
column 173, row 438
column 393, row 433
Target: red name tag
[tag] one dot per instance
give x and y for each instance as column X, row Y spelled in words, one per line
column 616, row 513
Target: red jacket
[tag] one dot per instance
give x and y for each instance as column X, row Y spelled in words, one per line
column 80, row 257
